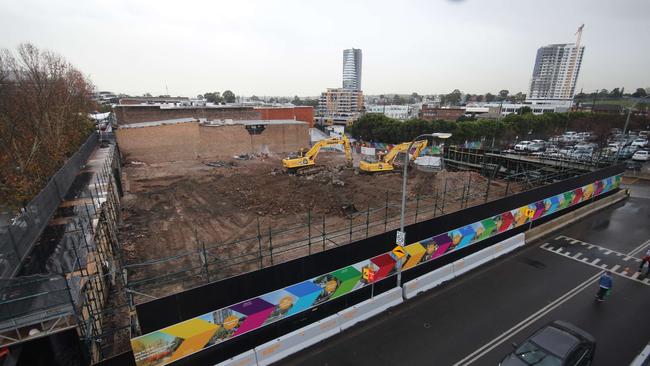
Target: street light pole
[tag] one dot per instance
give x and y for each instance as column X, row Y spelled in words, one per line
column 403, row 208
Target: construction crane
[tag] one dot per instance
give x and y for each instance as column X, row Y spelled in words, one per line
column 385, row 163
column 303, row 159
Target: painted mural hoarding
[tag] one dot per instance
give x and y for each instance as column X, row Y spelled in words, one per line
column 182, row 339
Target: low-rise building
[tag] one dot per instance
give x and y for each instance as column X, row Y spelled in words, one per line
column 401, row 112
column 432, row 112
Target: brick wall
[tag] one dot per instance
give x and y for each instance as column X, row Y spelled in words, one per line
column 189, row 141
column 299, row 113
column 126, row 114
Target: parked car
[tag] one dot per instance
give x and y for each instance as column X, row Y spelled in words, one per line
column 640, row 143
column 627, row 152
column 536, row 146
column 522, row 145
column 557, row 343
column 641, row 155
column 645, row 134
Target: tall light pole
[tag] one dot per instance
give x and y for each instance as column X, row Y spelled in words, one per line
column 401, row 235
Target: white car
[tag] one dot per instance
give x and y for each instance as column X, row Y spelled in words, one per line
column 640, row 142
column 641, row 155
column 522, row 146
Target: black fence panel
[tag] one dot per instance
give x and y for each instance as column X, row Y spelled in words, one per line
column 17, row 239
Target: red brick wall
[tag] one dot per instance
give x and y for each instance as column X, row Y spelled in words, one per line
column 134, row 114
column 301, row 113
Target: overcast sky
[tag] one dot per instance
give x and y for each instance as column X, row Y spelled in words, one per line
column 274, row 47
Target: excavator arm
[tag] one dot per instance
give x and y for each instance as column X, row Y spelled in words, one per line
column 309, row 158
column 386, row 163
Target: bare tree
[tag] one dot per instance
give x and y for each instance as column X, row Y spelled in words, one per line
column 44, row 103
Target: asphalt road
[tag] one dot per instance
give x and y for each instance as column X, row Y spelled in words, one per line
column 475, row 318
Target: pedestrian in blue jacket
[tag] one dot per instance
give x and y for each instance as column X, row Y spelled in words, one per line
column 606, row 282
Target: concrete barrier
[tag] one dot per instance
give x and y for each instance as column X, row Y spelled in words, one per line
column 428, row 281
column 508, row 245
column 472, row 261
column 370, row 308
column 297, row 340
column 247, row 358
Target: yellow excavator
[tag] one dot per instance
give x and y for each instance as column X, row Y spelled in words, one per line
column 385, row 163
column 302, row 160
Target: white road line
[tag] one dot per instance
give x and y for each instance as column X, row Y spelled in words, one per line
column 604, row 267
column 639, row 248
column 469, row 359
column 595, row 261
column 646, row 281
column 608, row 252
column 636, row 275
column 558, row 250
column 577, row 255
column 545, row 245
column 590, row 246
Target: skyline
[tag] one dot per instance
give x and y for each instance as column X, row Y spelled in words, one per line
column 288, row 48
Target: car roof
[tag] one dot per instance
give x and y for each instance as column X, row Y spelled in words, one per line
column 558, row 341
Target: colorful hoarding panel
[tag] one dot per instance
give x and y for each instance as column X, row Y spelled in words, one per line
column 179, row 340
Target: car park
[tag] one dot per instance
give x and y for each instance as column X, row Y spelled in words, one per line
column 641, row 155
column 558, row 343
column 535, row 146
column 627, row 152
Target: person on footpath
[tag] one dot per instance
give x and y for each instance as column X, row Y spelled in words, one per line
column 644, row 260
column 606, row 282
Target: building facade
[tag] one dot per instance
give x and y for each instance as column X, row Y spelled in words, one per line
column 340, row 106
column 401, row 112
column 432, row 112
column 352, row 69
column 556, row 72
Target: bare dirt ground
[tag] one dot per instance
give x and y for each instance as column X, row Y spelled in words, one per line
column 184, row 207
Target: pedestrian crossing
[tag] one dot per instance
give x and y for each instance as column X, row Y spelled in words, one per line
column 593, row 255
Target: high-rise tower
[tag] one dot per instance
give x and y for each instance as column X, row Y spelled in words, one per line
column 556, row 70
column 352, row 69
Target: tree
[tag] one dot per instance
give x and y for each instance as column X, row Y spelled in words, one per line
column 525, row 109
column 454, row 97
column 214, row 97
column 503, row 94
column 603, row 92
column 519, row 97
column 255, row 98
column 296, row 101
column 639, row 93
column 415, row 97
column 229, row 97
column 615, row 93
column 44, row 103
column 147, row 95
column 489, row 97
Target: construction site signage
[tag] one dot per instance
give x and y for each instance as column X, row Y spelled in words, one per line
column 400, row 237
column 398, row 252
column 179, row 340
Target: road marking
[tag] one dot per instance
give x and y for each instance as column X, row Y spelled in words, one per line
column 639, row 248
column 577, row 255
column 603, row 267
column 469, row 359
column 608, row 251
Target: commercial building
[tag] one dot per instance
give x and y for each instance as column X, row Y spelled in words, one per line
column 352, row 69
column 297, row 113
column 340, row 106
column 556, row 71
column 401, row 112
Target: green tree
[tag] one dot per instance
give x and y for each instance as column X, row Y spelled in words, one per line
column 229, row 96
column 615, row 93
column 454, row 97
column 524, row 110
column 503, row 94
column 639, row 93
column 489, row 97
column 519, row 97
column 214, row 97
column 255, row 98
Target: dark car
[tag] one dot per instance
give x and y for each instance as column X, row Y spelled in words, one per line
column 556, row 344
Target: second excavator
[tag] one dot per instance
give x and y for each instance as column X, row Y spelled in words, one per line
column 304, row 161
column 386, row 162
